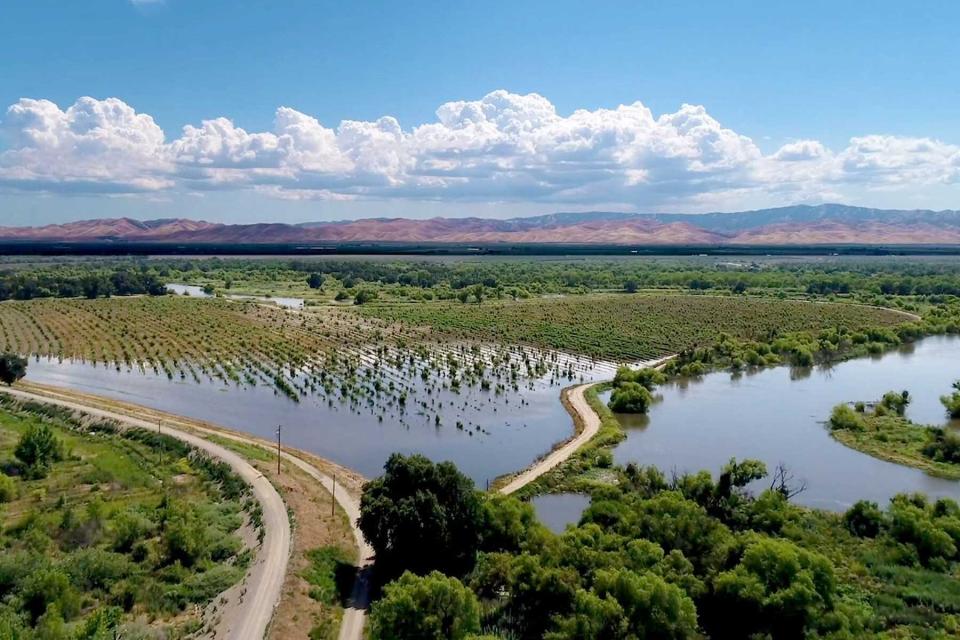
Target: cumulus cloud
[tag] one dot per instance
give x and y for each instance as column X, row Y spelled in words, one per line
column 502, row 147
column 94, row 145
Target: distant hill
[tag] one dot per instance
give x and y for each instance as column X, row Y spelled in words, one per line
column 802, row 224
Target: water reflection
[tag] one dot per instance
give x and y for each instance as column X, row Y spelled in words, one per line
column 487, row 434
column 557, row 510
column 777, row 415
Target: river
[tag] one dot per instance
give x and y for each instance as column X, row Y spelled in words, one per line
column 778, row 415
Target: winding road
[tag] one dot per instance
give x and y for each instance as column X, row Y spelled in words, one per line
column 589, row 426
column 249, row 616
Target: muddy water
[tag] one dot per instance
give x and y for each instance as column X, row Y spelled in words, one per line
column 777, row 415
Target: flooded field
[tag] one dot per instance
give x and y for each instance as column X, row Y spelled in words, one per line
column 486, row 432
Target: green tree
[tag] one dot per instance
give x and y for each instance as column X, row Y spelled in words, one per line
column 315, row 281
column 864, row 519
column 432, row 607
column 630, row 397
column 364, row 296
column 12, row 368
column 422, row 516
column 777, row 588
column 509, row 524
column 38, row 449
column 651, row 608
column 952, row 401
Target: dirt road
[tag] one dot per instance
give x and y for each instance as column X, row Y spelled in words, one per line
column 354, row 617
column 249, row 615
column 589, row 423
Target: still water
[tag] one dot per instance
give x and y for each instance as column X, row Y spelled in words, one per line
column 485, row 434
column 557, row 510
column 778, row 416
column 195, row 291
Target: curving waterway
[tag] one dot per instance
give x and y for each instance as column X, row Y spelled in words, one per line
column 778, row 415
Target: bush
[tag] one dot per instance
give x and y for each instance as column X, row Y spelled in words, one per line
column 864, row 519
column 37, row 449
column 943, row 446
column 952, row 402
column 364, row 296
column 12, row 368
column 845, row 417
column 630, row 397
column 433, row 607
column 8, row 488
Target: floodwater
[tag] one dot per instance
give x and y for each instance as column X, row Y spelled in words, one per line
column 197, row 292
column 188, row 290
column 484, row 433
column 288, row 303
column 778, row 415
column 557, row 510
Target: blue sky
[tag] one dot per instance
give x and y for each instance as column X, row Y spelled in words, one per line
column 789, row 102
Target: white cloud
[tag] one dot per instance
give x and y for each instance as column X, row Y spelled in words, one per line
column 95, row 145
column 503, row 147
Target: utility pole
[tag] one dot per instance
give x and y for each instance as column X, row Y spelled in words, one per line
column 160, row 442
column 279, row 426
column 333, row 497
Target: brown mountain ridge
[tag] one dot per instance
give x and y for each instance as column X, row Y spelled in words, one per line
column 806, row 225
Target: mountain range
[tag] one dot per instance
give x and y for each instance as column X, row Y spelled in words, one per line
column 801, row 225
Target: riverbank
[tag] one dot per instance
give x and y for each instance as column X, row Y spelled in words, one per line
column 887, row 436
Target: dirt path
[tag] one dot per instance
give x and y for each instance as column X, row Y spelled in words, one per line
column 585, row 417
column 346, row 492
column 249, row 614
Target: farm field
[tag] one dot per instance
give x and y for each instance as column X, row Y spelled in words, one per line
column 104, row 527
column 632, row 327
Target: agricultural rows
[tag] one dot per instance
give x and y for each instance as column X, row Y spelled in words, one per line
column 630, row 327
column 333, row 355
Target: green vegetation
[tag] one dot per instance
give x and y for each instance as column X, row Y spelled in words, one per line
column 687, row 558
column 80, row 282
column 101, row 537
column 632, row 389
column 881, row 430
column 421, row 516
column 633, row 327
column 952, row 401
column 432, row 607
column 326, row 574
column 12, row 368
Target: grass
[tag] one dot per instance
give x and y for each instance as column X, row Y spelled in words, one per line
column 895, row 439
column 631, row 327
column 121, row 530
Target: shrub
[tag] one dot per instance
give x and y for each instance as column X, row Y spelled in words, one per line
column 864, row 519
column 952, row 401
column 12, row 368
column 630, row 397
column 8, row 488
column 433, row 607
column 845, row 417
column 37, row 449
